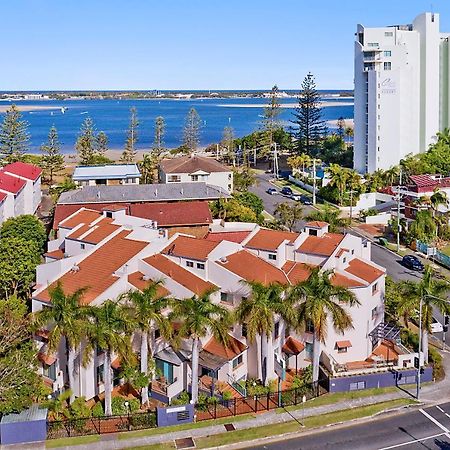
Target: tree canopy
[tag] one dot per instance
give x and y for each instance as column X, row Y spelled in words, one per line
column 52, row 160
column 14, row 136
column 27, row 227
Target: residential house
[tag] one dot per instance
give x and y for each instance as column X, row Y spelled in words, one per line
column 106, row 174
column 111, row 252
column 194, row 168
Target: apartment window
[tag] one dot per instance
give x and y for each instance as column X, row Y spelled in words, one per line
column 174, row 178
column 353, row 251
column 357, row 386
column 276, row 331
column 272, row 256
column 244, row 330
column 342, row 349
column 309, row 327
column 344, row 260
column 373, row 44
column 200, row 266
column 237, row 361
column 109, row 214
column 309, row 349
column 374, row 288
column 101, row 374
column 388, row 34
column 387, row 53
column 229, row 176
column 226, row 298
column 374, row 313
column 50, row 371
column 229, row 187
column 194, row 177
column 82, row 246
column 157, row 334
column 189, row 264
column 387, row 65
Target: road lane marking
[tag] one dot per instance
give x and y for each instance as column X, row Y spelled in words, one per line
column 436, row 422
column 442, row 411
column 415, row 441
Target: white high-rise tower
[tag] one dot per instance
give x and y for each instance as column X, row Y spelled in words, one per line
column 401, row 91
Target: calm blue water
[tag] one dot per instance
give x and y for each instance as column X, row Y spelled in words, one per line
column 112, row 116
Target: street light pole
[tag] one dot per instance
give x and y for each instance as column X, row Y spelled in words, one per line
column 314, row 181
column 420, row 349
column 398, row 211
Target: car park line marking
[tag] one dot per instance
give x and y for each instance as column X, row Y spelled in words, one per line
column 415, row 441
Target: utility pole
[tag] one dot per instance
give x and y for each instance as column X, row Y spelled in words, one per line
column 420, row 350
column 398, row 211
column 217, row 151
column 314, row 181
column 275, row 161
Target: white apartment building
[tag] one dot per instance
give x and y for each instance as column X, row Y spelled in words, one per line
column 106, row 174
column 110, row 253
column 401, row 91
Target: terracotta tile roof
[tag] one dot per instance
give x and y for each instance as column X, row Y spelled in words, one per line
column 3, row 195
column 363, row 270
column 338, row 279
column 316, row 224
column 167, row 214
column 324, row 245
column 190, row 247
column 343, row 344
column 55, row 254
column 10, row 183
column 293, row 346
column 46, row 359
column 251, row 268
column 229, row 352
column 296, row 272
column 99, row 232
column 340, row 252
column 232, row 236
column 136, row 279
column 174, row 214
column 96, row 271
column 25, row 170
column 270, row 239
column 191, row 164
column 178, row 274
column 85, row 216
column 387, row 350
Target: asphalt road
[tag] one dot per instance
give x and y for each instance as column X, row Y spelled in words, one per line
column 427, row 428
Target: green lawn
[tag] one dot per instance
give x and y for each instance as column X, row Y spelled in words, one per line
column 445, row 250
column 80, row 440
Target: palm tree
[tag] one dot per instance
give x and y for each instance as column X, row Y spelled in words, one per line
column 438, row 198
column 391, row 175
column 148, row 168
column 67, row 318
column 376, row 180
column 147, row 308
column 257, row 312
column 338, row 178
column 349, row 134
column 318, row 300
column 110, row 330
column 433, row 293
column 331, row 216
column 199, row 317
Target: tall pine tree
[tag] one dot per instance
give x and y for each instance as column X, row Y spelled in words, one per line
column 52, row 159
column 86, row 142
column 191, row 132
column 14, row 136
column 160, row 129
column 270, row 122
column 102, row 143
column 308, row 125
column 129, row 154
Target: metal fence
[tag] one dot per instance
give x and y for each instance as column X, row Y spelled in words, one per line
column 258, row 403
column 433, row 253
column 100, row 425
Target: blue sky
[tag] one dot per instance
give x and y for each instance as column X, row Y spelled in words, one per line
column 188, row 44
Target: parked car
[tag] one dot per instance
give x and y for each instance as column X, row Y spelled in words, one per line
column 412, row 262
column 296, row 197
column 272, row 191
column 306, row 200
column 287, row 191
column 436, row 326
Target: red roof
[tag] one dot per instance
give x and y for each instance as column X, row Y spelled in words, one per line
column 190, row 247
column 166, row 214
column 229, row 351
column 364, row 270
column 316, row 224
column 83, row 216
column 296, row 272
column 232, row 236
column 21, row 169
column 270, row 239
column 11, row 183
column 3, row 195
column 293, row 346
column 324, row 245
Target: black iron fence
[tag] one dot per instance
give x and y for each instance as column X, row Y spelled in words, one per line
column 258, row 403
column 209, row 410
column 100, row 425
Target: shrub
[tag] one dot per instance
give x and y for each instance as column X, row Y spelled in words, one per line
column 144, row 420
column 227, row 395
column 97, row 410
column 134, row 404
column 182, row 399
column 436, row 359
column 118, row 406
column 79, row 409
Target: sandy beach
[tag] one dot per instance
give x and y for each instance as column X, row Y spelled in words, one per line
column 27, row 108
column 348, row 123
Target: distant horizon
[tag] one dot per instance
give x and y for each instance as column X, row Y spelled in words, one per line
column 40, row 91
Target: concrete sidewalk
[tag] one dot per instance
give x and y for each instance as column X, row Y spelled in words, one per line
column 112, row 442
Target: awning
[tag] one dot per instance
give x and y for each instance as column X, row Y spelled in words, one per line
column 292, row 346
column 211, row 361
column 343, row 344
column 46, row 359
column 169, row 355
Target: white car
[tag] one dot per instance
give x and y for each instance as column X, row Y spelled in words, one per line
column 436, row 326
column 296, row 197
